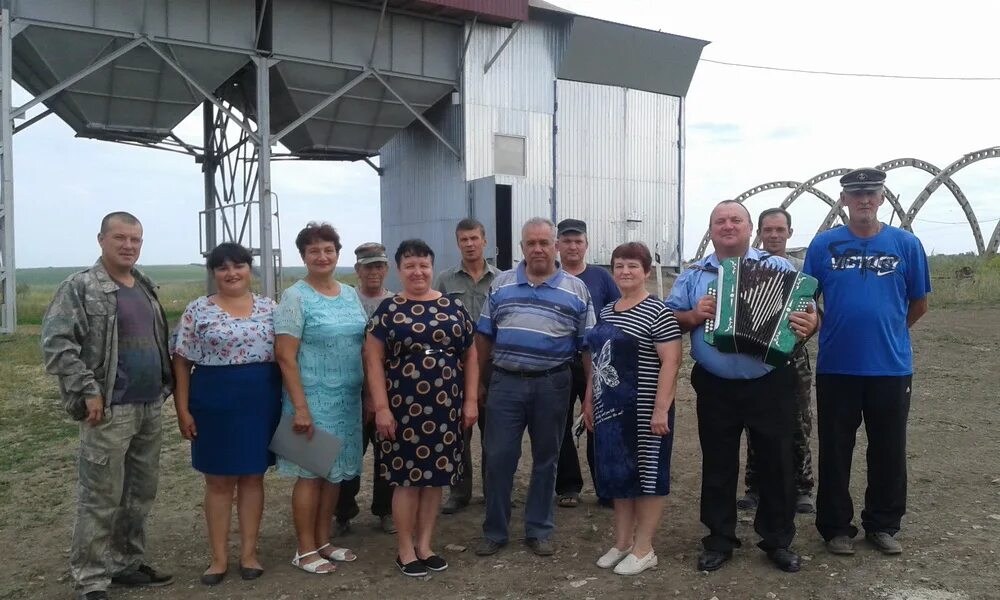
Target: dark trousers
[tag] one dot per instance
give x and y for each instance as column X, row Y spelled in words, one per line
column 514, row 404
column 347, row 501
column 804, row 481
column 569, row 478
column 842, row 403
column 462, row 493
column 766, row 408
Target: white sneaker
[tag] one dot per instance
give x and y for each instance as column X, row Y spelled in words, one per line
column 633, row 565
column 612, row 557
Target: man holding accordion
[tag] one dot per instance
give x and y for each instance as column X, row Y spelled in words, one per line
column 736, row 391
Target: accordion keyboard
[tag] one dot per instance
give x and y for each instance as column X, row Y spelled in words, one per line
column 753, row 305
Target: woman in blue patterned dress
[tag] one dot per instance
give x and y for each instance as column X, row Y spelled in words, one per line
column 320, row 327
column 228, row 401
column 636, row 352
column 423, row 378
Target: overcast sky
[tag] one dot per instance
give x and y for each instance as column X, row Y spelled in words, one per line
column 745, row 127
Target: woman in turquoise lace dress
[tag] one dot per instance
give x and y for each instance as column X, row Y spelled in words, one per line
column 319, row 330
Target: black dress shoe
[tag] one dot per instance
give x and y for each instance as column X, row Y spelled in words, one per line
column 213, row 578
column 785, row 559
column 712, row 560
column 250, row 573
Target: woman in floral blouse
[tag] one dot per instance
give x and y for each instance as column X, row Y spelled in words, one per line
column 228, row 398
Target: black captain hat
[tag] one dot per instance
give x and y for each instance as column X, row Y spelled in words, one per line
column 571, row 226
column 863, row 180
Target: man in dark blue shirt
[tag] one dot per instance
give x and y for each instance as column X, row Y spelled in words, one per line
column 572, row 244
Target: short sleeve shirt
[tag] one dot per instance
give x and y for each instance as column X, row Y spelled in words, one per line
column 602, row 287
column 536, row 327
column 457, row 283
column 688, row 289
column 867, row 286
column 207, row 335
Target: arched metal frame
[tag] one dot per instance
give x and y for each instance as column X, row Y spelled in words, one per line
column 775, row 185
column 940, row 177
column 906, row 219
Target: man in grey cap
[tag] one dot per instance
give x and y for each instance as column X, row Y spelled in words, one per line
column 572, row 244
column 874, row 280
column 371, row 267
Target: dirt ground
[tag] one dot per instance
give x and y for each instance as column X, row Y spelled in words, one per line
column 950, row 533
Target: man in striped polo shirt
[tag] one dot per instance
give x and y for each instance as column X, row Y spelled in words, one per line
column 531, row 328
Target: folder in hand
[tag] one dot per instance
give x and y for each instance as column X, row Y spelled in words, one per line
column 315, row 455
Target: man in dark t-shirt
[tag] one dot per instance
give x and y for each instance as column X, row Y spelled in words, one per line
column 105, row 337
column 572, row 245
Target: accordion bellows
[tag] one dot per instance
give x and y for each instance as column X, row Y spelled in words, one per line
column 753, row 303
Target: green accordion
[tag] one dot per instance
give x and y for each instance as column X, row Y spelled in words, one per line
column 753, row 303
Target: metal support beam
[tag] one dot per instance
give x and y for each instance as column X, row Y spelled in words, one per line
column 681, row 149
column 496, row 55
column 103, row 62
column 378, row 31
column 33, row 120
column 8, row 309
column 260, row 24
column 465, row 47
column 416, row 114
column 350, row 85
column 209, row 166
column 267, row 270
column 201, row 90
column 377, row 168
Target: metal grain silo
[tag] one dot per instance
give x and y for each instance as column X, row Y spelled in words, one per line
column 557, row 116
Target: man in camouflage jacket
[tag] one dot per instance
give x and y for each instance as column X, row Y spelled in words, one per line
column 105, row 337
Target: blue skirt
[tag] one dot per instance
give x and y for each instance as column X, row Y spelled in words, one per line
column 236, row 410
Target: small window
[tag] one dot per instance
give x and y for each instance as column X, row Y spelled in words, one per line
column 508, row 155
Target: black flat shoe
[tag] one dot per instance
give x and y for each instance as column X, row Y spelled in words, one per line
column 434, row 563
column 213, row 578
column 712, row 560
column 785, row 559
column 412, row 569
column 250, row 573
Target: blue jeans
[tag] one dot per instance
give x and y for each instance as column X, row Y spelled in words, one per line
column 513, row 404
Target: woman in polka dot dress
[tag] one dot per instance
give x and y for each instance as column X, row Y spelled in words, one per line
column 422, row 375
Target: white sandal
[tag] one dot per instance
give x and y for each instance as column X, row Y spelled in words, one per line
column 612, row 557
column 313, row 566
column 338, row 555
column 633, row 565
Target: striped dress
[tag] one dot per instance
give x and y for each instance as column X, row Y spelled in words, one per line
column 630, row 460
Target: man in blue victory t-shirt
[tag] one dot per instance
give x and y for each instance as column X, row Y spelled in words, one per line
column 874, row 281
column 572, row 245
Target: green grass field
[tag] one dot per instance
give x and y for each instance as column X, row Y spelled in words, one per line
column 957, row 280
column 179, row 284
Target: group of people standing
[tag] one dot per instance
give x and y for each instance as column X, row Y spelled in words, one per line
column 412, row 373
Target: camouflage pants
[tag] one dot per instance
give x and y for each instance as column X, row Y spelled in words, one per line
column 803, row 455
column 119, row 470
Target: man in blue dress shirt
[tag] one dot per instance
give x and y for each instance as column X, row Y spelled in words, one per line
column 737, row 391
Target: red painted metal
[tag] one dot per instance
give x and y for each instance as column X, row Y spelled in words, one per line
column 496, row 11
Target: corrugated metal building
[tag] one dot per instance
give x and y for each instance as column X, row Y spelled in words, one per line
column 557, row 116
